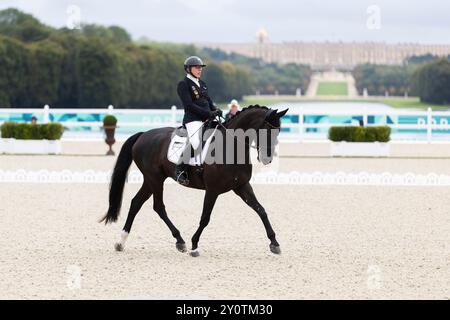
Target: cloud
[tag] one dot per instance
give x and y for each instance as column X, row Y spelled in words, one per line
column 237, row 21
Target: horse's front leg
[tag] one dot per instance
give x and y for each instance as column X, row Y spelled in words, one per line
column 246, row 193
column 208, row 205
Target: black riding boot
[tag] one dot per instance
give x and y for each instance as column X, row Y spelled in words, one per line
column 181, row 174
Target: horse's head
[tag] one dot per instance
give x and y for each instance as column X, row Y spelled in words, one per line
column 267, row 137
column 262, row 125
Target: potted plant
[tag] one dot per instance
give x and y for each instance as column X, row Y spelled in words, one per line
column 110, row 125
column 360, row 141
column 31, row 138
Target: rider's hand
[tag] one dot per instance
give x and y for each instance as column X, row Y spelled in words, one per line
column 219, row 112
column 212, row 114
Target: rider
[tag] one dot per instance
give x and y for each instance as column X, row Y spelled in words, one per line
column 198, row 108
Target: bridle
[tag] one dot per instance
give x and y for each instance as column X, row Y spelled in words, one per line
column 247, row 144
column 271, row 125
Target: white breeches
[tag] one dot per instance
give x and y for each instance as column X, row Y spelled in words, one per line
column 195, row 135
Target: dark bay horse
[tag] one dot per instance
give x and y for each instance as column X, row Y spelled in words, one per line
column 149, row 151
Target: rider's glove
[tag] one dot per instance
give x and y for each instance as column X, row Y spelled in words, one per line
column 213, row 114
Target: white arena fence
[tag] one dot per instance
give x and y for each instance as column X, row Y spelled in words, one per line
column 295, row 128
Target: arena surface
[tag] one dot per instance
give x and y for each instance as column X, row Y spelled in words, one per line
column 338, row 242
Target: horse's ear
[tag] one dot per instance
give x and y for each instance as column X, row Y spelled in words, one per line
column 282, row 113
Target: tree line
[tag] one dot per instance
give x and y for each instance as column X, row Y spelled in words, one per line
column 95, row 66
column 427, row 77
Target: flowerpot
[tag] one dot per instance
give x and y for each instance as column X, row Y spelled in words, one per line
column 110, row 140
column 53, row 146
column 359, row 149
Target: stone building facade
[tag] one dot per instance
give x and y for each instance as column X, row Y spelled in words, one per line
column 325, row 55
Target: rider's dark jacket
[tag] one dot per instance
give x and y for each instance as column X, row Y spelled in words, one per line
column 196, row 101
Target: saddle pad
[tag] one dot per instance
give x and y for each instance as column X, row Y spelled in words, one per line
column 176, row 148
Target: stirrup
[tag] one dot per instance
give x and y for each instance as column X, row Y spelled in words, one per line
column 183, row 180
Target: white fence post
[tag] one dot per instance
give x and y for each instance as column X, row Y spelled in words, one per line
column 429, row 124
column 110, row 109
column 300, row 124
column 174, row 115
column 365, row 119
column 46, row 113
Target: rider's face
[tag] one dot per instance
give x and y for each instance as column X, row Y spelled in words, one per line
column 197, row 71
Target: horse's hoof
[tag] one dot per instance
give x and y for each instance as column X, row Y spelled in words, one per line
column 275, row 249
column 118, row 247
column 195, row 253
column 181, row 247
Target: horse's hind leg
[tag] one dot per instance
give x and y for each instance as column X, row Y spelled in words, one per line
column 208, row 205
column 160, row 208
column 141, row 196
column 247, row 194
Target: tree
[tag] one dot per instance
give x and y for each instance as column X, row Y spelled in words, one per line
column 99, row 82
column 97, row 66
column 432, row 82
column 381, row 78
column 22, row 26
column 44, row 74
column 113, row 33
column 14, row 66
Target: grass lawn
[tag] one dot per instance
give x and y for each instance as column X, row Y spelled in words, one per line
column 413, row 103
column 335, row 88
column 400, row 103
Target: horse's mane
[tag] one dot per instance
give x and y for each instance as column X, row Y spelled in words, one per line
column 251, row 107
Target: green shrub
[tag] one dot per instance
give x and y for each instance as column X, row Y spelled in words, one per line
column 7, row 130
column 371, row 134
column 35, row 131
column 28, row 131
column 384, row 134
column 109, row 120
column 54, row 131
column 360, row 134
column 43, row 131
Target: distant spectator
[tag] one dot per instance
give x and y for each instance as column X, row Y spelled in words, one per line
column 33, row 120
column 234, row 107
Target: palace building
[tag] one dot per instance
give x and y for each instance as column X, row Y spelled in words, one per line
column 325, row 55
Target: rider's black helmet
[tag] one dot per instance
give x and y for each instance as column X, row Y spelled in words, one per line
column 192, row 61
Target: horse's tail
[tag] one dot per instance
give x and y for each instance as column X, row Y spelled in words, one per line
column 118, row 178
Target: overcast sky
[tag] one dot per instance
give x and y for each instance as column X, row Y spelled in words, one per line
column 191, row 21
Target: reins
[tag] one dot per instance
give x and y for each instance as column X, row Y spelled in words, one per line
column 251, row 146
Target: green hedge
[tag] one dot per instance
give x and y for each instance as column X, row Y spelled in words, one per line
column 28, row 131
column 360, row 134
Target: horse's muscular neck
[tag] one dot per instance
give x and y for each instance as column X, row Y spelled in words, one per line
column 251, row 119
column 247, row 120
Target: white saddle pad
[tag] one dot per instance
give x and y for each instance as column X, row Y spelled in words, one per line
column 177, row 146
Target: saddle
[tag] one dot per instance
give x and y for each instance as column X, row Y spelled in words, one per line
column 180, row 142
